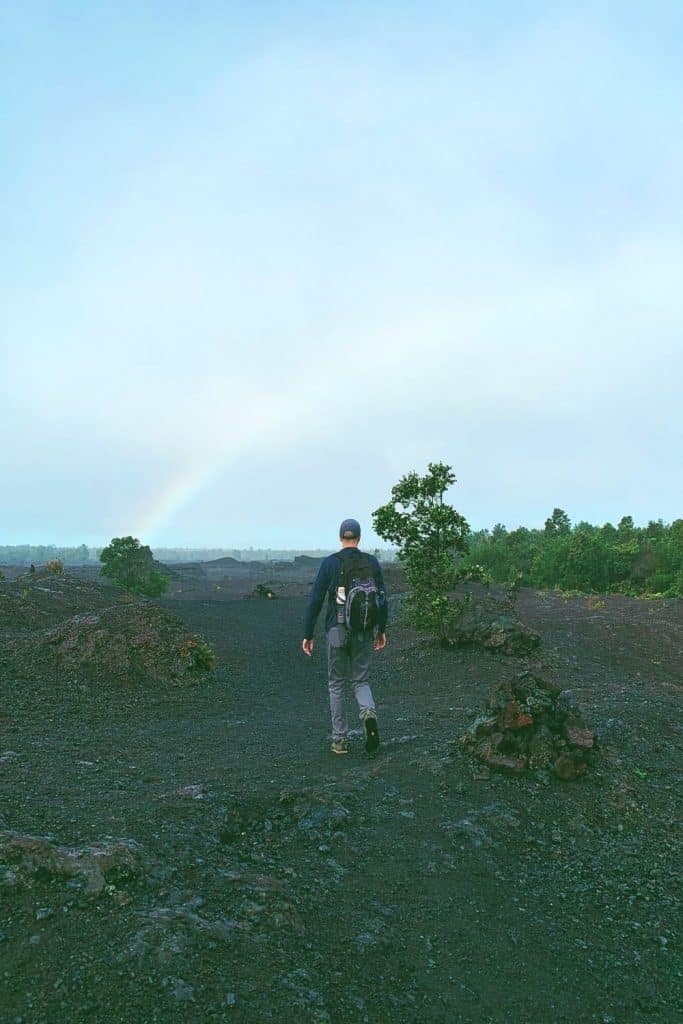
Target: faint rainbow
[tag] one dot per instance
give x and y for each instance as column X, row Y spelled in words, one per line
column 167, row 501
column 192, row 480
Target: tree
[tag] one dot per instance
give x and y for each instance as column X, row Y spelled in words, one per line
column 558, row 525
column 130, row 564
column 430, row 536
column 626, row 528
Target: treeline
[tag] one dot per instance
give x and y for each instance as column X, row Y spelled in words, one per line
column 38, row 554
column 623, row 559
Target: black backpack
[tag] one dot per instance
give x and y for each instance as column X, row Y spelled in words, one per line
column 363, row 596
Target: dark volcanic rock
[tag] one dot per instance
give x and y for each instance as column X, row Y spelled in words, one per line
column 482, row 623
column 26, row 858
column 307, row 562
column 264, row 856
column 506, row 636
column 530, row 723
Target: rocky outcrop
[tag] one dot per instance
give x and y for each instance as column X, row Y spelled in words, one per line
column 502, row 634
column 530, row 723
column 25, row 859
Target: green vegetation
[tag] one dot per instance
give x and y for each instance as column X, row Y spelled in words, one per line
column 130, row 565
column 431, row 538
column 608, row 559
column 199, row 654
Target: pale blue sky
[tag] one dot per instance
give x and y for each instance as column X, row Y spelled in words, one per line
column 258, row 261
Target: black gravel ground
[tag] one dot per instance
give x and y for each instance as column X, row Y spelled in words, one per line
column 275, row 882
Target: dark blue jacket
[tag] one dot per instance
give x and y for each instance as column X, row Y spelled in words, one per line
column 326, row 583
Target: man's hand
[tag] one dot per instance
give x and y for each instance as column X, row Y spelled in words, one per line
column 380, row 642
column 307, row 647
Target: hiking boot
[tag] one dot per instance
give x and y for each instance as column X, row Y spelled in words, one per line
column 340, row 746
column 371, row 730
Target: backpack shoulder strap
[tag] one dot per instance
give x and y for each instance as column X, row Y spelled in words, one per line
column 341, row 567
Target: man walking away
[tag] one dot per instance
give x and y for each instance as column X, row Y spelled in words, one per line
column 355, row 624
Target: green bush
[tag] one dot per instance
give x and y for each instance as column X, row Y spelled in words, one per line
column 431, row 538
column 199, row 654
column 130, row 565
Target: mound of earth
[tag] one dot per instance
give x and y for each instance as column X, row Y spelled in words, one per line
column 132, row 642
column 189, row 568
column 38, row 601
column 531, row 723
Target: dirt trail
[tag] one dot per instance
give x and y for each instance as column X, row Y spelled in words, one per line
column 277, row 882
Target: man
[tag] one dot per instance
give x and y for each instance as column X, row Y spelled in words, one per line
column 348, row 651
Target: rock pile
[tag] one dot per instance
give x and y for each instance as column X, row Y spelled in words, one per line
column 502, row 634
column 530, row 723
column 25, row 858
column 486, row 619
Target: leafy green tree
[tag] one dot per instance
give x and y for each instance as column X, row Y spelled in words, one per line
column 130, row 564
column 626, row 529
column 558, row 525
column 548, row 567
column 586, row 567
column 430, row 536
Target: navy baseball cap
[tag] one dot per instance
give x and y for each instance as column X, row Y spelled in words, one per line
column 349, row 529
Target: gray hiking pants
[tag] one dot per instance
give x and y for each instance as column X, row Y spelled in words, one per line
column 348, row 662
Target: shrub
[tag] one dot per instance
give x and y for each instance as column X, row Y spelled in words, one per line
column 199, row 653
column 130, row 564
column 430, row 535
